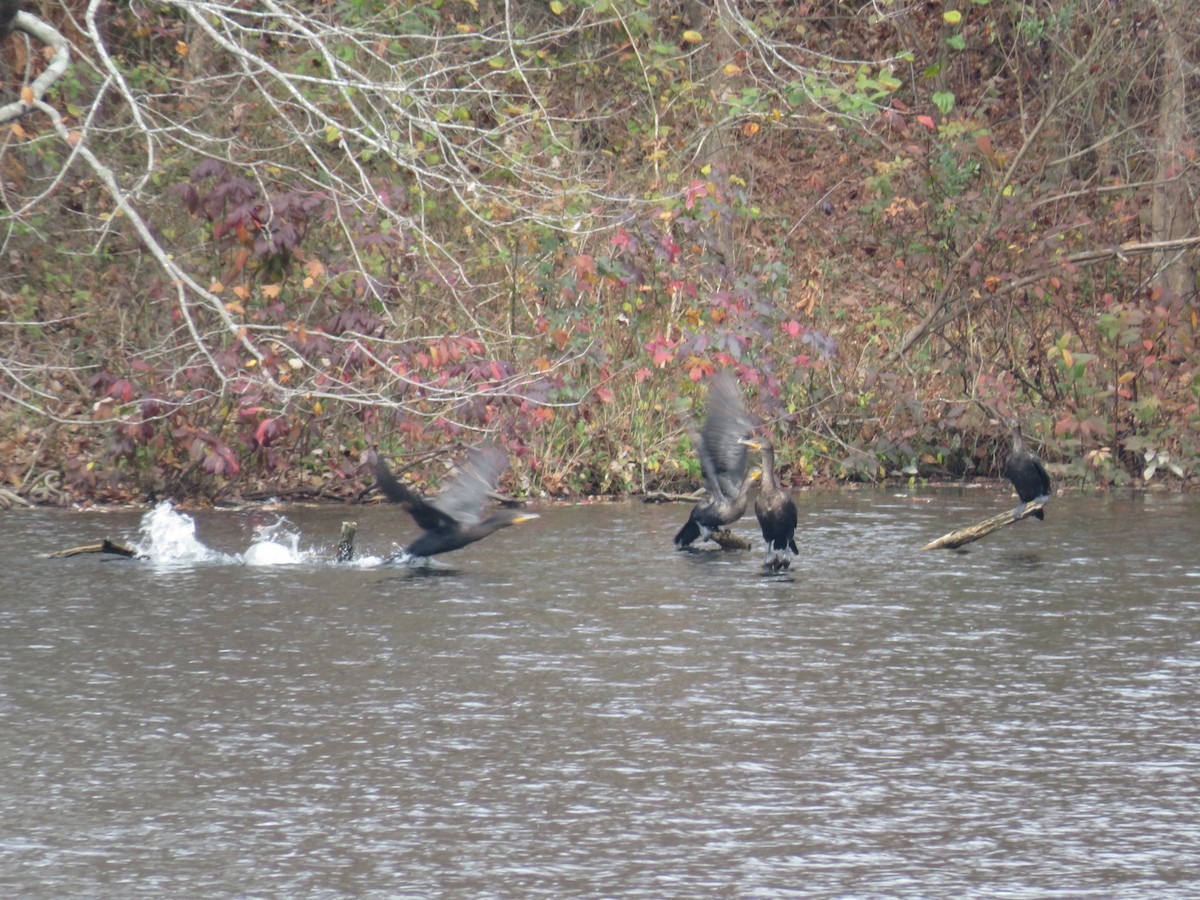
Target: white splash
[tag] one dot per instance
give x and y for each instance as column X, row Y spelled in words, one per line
column 170, row 537
column 275, row 545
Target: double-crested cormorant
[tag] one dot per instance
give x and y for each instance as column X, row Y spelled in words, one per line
column 455, row 517
column 722, row 463
column 1027, row 475
column 775, row 510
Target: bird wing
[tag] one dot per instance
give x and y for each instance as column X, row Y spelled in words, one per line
column 726, row 423
column 708, row 468
column 1042, row 474
column 425, row 514
column 463, row 497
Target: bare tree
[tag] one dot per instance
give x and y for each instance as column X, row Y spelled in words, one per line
column 390, row 117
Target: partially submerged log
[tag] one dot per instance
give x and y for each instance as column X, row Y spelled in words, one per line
column 105, row 546
column 345, row 547
column 670, row 497
column 982, row 529
column 730, row 541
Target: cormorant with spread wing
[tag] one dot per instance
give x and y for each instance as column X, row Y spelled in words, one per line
column 774, row 509
column 455, row 517
column 722, row 463
column 1027, row 474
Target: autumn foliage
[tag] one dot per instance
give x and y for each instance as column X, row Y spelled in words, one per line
column 555, row 246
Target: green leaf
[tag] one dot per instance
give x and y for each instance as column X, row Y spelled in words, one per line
column 953, row 16
column 944, row 101
column 556, row 7
column 889, row 81
column 957, row 41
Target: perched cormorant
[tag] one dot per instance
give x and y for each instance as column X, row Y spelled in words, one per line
column 455, row 517
column 775, row 510
column 722, row 463
column 1027, row 475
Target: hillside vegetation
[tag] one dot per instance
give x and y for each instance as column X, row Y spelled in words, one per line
column 243, row 244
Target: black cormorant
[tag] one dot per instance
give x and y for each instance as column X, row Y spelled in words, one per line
column 722, row 462
column 455, row 517
column 1027, row 475
column 775, row 510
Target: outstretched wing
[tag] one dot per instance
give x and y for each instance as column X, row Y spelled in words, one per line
column 721, row 456
column 708, row 467
column 464, row 495
column 425, row 514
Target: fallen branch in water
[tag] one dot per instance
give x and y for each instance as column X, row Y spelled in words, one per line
column 982, row 529
column 671, row 497
column 345, row 547
column 105, row 546
column 730, row 541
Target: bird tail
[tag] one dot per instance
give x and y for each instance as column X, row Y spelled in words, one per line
column 687, row 534
column 1039, row 514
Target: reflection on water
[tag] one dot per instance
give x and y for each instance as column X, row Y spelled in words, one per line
column 576, row 709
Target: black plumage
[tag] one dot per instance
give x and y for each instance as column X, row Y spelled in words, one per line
column 775, row 510
column 1027, row 474
column 722, row 462
column 455, row 517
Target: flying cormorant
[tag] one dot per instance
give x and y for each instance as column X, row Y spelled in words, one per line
column 455, row 517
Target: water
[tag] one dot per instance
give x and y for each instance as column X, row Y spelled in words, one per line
column 573, row 709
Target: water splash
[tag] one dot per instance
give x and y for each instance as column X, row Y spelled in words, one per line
column 277, row 544
column 168, row 536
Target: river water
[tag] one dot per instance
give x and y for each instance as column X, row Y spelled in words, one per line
column 571, row 708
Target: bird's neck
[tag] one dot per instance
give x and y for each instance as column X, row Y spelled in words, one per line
column 768, row 469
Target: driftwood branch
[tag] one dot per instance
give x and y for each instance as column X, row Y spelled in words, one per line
column 982, row 529
column 9, row 499
column 345, row 547
column 672, row 497
column 727, row 540
column 105, row 546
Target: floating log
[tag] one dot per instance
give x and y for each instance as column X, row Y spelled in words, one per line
column 345, row 547
column 730, row 541
column 670, row 497
column 982, row 529
column 105, row 546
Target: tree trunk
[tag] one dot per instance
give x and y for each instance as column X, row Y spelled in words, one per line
column 1171, row 212
column 721, row 51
